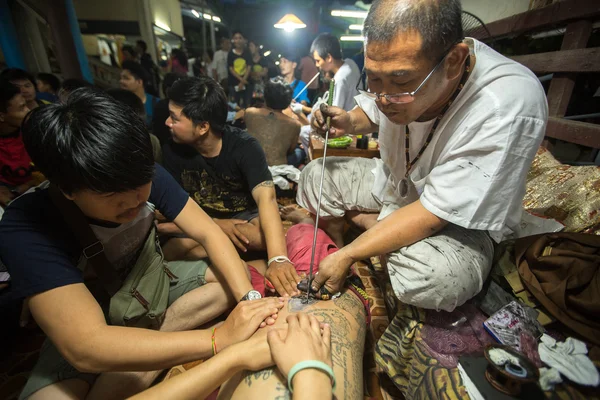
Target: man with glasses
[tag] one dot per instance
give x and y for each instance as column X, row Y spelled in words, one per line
column 459, row 125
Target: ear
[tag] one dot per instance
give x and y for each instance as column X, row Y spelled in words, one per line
column 201, row 129
column 329, row 58
column 68, row 196
column 455, row 61
column 1, row 117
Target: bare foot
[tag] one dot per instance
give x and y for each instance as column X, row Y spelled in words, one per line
column 296, row 215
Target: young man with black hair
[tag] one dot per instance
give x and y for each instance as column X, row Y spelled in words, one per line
column 133, row 78
column 48, row 86
column 276, row 132
column 26, row 83
column 131, row 100
column 287, row 65
column 148, row 64
column 15, row 164
column 327, row 53
column 98, row 159
column 239, row 61
column 224, row 169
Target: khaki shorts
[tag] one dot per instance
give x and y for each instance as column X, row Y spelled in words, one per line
column 52, row 368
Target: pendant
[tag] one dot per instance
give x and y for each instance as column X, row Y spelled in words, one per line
column 403, row 188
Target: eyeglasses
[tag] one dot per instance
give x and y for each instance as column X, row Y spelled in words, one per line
column 399, row 98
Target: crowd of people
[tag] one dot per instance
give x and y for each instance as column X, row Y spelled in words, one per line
column 135, row 217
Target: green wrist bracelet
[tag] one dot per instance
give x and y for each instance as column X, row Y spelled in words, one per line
column 308, row 364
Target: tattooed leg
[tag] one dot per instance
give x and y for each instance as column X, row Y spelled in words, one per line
column 347, row 317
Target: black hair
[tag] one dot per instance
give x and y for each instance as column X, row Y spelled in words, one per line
column 135, row 69
column 236, row 32
column 130, row 99
column 129, row 49
column 50, row 79
column 7, row 92
column 278, row 94
column 142, row 44
column 438, row 22
column 202, row 99
column 290, row 55
column 90, row 142
column 325, row 44
column 180, row 56
column 17, row 74
column 169, row 79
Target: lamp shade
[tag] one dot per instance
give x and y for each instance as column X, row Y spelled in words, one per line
column 290, row 22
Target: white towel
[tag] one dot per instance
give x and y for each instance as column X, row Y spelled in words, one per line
column 570, row 359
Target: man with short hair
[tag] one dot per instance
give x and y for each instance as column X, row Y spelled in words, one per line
column 97, row 156
column 148, row 64
column 15, row 164
column 133, row 77
column 327, row 53
column 224, row 169
column 459, row 126
column 26, row 83
column 287, row 65
column 48, row 86
column 220, row 69
column 239, row 62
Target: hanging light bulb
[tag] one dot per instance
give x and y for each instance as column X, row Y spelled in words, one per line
column 289, row 23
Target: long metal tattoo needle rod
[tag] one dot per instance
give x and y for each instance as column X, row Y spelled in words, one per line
column 314, row 244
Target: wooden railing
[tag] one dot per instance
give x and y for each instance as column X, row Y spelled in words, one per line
column 577, row 17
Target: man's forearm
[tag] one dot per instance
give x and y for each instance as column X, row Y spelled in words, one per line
column 270, row 222
column 199, row 382
column 361, row 124
column 402, row 228
column 133, row 349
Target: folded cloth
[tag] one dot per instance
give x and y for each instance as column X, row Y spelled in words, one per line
column 548, row 378
column 570, row 359
column 289, row 171
column 282, row 174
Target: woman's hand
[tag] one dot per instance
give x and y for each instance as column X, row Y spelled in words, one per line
column 306, row 339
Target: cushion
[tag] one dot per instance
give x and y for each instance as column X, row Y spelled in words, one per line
column 569, row 194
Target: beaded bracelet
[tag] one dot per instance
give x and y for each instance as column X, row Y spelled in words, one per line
column 320, row 365
column 214, row 343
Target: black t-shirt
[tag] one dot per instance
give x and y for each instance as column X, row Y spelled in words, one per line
column 222, row 185
column 258, row 66
column 239, row 63
column 41, row 253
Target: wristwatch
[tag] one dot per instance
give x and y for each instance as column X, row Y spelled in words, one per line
column 252, row 295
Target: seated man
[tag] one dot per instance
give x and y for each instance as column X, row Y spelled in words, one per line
column 134, row 78
column 327, row 53
column 131, row 100
column 459, row 125
column 225, row 171
column 15, row 165
column 346, row 315
column 287, row 65
column 276, row 132
column 104, row 186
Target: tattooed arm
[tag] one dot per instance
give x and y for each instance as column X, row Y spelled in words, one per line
column 347, row 319
column 282, row 274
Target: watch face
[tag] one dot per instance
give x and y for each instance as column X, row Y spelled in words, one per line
column 254, row 295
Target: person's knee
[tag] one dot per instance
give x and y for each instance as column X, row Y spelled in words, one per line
column 438, row 277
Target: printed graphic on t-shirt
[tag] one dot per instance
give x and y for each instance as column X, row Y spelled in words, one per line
column 239, row 66
column 221, row 194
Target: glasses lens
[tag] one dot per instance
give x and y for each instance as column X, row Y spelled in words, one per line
column 400, row 98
